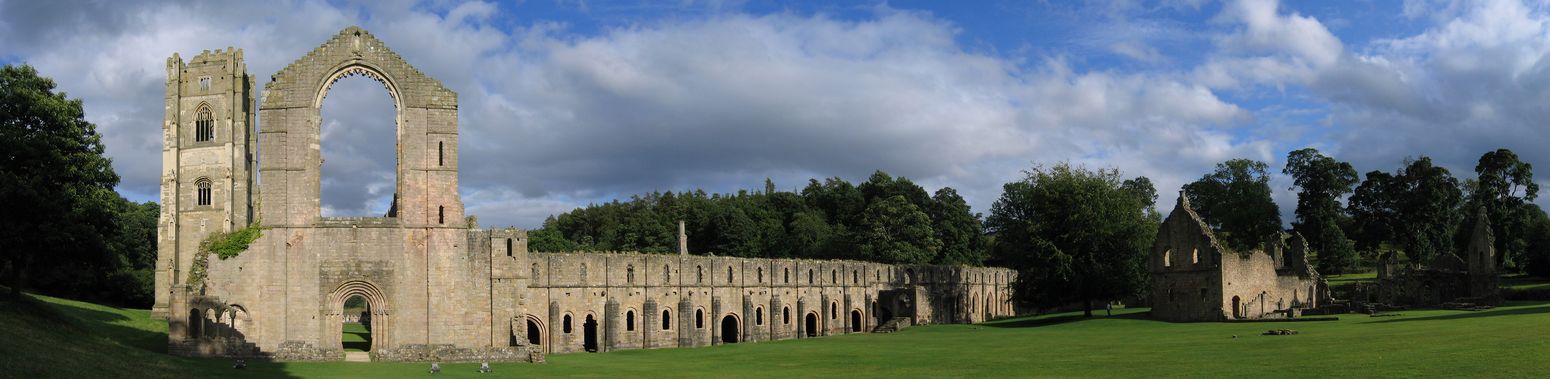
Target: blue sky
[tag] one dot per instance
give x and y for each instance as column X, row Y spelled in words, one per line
column 565, row 103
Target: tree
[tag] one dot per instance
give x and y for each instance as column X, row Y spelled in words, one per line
column 1075, row 235
column 895, row 231
column 1321, row 181
column 1537, row 252
column 1235, row 201
column 958, row 227
column 1505, row 186
column 1374, row 211
column 1427, row 200
column 56, row 185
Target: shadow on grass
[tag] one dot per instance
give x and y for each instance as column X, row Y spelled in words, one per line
column 1038, row 321
column 104, row 324
column 1526, row 310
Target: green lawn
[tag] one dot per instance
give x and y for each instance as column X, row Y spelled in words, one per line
column 356, row 338
column 1342, row 279
column 1511, row 341
column 1524, row 282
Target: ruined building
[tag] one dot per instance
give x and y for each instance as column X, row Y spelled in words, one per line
column 1196, row 278
column 1446, row 278
column 437, row 287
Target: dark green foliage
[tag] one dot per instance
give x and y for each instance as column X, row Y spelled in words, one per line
column 1415, row 210
column 1537, row 250
column 61, row 215
column 895, row 231
column 1235, row 201
column 1075, row 235
column 960, row 229
column 826, row 220
column 1505, row 187
column 1321, row 181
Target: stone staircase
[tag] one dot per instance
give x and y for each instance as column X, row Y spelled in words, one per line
column 357, row 356
column 893, row 325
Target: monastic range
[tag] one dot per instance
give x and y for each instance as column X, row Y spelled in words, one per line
column 438, row 288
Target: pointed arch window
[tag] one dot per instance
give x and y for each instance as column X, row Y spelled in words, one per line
column 204, row 126
column 203, row 191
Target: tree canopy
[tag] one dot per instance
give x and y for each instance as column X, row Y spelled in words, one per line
column 1321, row 181
column 1235, row 201
column 885, row 219
column 64, row 229
column 1075, row 235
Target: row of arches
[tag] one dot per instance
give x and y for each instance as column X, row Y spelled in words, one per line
column 537, row 275
column 227, row 321
column 586, row 329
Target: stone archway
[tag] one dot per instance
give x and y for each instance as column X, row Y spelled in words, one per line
column 377, row 309
column 729, row 329
column 427, row 138
column 812, row 324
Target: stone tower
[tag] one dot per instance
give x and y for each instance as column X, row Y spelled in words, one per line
column 207, row 182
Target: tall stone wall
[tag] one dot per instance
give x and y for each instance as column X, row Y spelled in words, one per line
column 628, row 293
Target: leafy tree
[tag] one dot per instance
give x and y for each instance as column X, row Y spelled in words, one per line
column 1505, row 186
column 1141, row 187
column 959, row 229
column 1374, row 211
column 1075, row 235
column 56, row 185
column 1321, row 181
column 1537, row 252
column 1235, row 201
column 1415, row 209
column 895, row 231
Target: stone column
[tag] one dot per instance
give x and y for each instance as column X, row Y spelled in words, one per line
column 801, row 317
column 714, row 320
column 685, row 312
column 775, row 322
column 610, row 325
column 747, row 324
column 845, row 316
column 555, row 328
column 648, row 319
column 823, row 315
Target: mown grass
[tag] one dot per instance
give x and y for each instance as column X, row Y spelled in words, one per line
column 1510, row 341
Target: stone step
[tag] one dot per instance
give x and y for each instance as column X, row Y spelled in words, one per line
column 357, row 356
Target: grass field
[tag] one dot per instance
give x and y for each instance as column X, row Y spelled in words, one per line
column 62, row 338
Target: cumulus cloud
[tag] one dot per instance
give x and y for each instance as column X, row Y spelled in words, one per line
column 554, row 118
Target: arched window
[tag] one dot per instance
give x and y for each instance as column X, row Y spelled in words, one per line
column 204, row 126
column 855, row 277
column 535, row 272
column 758, row 316
column 566, row 325
column 834, row 276
column 629, row 321
column 877, row 275
column 667, row 274
column 203, row 192
column 699, row 319
column 667, row 319
column 1168, row 258
column 788, row 275
column 761, row 275
column 785, row 315
column 809, row 276
column 629, row 275
column 699, row 274
column 729, row 275
column 834, row 310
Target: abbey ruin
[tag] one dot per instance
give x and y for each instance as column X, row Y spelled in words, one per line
column 438, row 288
column 1196, row 278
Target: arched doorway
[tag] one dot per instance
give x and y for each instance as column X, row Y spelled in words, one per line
column 812, row 324
column 372, row 323
column 535, row 333
column 1236, row 313
column 729, row 329
column 855, row 320
column 589, row 335
column 356, row 324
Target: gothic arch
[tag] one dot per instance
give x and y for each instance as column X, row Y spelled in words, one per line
column 426, row 130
